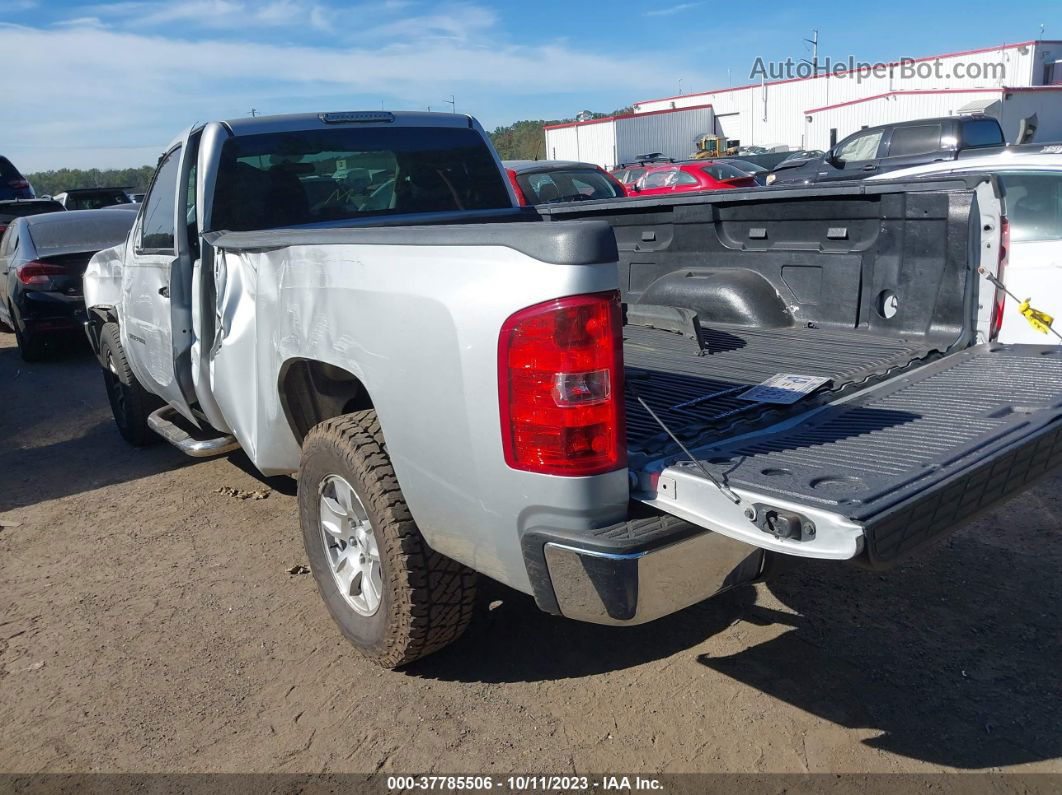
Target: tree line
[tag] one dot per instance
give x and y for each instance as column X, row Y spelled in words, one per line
column 521, row 140
column 49, row 183
column 525, row 140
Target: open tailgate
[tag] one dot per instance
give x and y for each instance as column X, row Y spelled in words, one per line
column 882, row 472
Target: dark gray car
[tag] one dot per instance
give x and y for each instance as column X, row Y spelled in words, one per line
column 42, row 260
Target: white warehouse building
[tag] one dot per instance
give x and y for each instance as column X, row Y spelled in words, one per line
column 1012, row 82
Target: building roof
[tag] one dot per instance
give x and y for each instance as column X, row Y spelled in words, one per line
column 887, row 63
column 915, row 92
column 625, row 116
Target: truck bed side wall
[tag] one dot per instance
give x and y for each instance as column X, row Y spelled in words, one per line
column 830, row 259
column 418, row 326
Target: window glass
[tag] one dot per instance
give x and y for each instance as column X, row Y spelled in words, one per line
column 917, row 140
column 682, row 178
column 1034, row 205
column 982, row 132
column 724, row 171
column 312, row 176
column 156, row 232
column 575, row 185
column 659, row 179
column 634, row 174
column 862, row 147
column 96, row 199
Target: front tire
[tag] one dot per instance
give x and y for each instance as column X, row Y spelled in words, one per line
column 131, row 404
column 393, row 597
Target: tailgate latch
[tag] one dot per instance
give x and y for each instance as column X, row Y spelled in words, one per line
column 783, row 524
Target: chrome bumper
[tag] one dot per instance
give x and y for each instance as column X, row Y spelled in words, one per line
column 633, row 588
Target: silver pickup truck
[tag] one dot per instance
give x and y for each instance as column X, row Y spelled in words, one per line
column 619, row 407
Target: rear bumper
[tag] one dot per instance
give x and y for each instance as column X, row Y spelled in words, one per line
column 635, row 571
column 43, row 312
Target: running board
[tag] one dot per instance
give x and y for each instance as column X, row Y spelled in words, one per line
column 171, row 426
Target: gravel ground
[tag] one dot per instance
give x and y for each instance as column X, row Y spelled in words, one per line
column 148, row 622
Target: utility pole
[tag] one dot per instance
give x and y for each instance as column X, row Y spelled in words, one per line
column 254, row 112
column 450, row 101
column 680, row 87
column 814, row 42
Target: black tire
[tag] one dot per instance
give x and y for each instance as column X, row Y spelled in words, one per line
column 427, row 599
column 130, row 402
column 31, row 347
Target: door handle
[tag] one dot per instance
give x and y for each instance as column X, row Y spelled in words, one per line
column 164, row 291
column 870, row 167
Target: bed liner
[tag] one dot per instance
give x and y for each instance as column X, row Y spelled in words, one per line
column 907, row 458
column 666, row 370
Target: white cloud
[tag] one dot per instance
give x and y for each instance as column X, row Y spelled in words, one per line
column 671, row 10
column 81, row 22
column 118, row 88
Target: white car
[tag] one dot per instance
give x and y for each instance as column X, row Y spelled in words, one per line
column 1032, row 179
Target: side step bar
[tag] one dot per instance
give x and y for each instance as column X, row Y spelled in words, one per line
column 172, row 427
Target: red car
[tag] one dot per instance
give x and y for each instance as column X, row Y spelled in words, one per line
column 690, row 177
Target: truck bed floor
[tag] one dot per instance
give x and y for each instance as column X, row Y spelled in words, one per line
column 666, row 371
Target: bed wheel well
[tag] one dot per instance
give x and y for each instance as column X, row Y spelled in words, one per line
column 312, row 392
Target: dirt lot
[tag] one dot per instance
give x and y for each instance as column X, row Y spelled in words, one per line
column 148, row 623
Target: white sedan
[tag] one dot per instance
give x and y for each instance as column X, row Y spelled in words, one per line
column 1032, row 179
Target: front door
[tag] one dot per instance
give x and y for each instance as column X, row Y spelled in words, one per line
column 156, row 319
column 854, row 158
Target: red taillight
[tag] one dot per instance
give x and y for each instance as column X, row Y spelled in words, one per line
column 39, row 274
column 1001, row 297
column 520, row 197
column 560, row 381
column 17, row 184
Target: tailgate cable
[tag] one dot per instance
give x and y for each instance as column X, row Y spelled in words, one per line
column 1038, row 319
column 704, row 470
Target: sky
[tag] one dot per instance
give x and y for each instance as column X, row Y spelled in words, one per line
column 109, row 84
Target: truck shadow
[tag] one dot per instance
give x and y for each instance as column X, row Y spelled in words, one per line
column 952, row 659
column 511, row 640
column 95, row 458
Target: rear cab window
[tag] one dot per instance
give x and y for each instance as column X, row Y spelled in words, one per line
column 275, row 180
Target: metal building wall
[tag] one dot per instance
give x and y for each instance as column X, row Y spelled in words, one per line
column 672, row 134
column 743, row 113
column 562, row 143
column 597, row 142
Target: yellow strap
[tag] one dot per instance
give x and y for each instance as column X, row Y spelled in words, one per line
column 1039, row 320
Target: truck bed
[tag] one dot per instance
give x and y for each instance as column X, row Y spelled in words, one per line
column 666, row 371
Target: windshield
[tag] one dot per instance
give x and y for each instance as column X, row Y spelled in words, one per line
column 278, row 180
column 566, row 186
column 1034, row 205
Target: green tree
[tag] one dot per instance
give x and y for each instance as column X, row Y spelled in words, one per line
column 525, row 139
column 49, row 183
